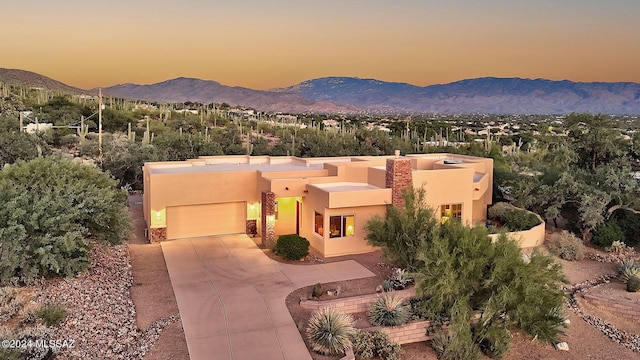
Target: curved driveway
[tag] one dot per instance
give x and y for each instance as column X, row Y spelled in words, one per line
column 231, row 297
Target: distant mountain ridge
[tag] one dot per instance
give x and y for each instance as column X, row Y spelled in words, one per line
column 31, row 79
column 482, row 95
column 349, row 95
column 206, row 91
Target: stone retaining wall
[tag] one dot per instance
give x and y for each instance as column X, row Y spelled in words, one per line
column 625, row 309
column 353, row 304
column 407, row 333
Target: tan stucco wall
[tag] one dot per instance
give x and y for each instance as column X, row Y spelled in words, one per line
column 528, row 238
column 451, row 186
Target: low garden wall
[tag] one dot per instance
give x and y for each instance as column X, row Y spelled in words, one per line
column 407, row 333
column 353, row 304
column 625, row 309
column 527, row 238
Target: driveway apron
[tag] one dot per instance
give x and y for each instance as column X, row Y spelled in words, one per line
column 231, row 297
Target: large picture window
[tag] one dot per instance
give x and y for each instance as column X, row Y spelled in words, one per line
column 318, row 224
column 341, row 226
column 449, row 211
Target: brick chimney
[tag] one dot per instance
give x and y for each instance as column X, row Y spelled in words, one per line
column 398, row 177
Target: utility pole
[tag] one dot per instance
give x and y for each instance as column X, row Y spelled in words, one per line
column 100, row 124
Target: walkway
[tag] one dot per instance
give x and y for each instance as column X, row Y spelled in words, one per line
column 231, row 297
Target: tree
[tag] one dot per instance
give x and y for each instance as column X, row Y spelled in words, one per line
column 405, row 231
column 16, row 146
column 464, row 270
column 594, row 139
column 51, row 207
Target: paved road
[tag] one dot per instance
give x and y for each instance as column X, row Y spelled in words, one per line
column 231, row 297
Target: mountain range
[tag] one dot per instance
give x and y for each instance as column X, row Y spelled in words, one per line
column 350, row 95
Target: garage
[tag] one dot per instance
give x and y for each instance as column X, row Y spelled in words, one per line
column 208, row 219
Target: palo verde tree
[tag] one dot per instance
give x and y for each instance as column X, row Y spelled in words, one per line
column 51, row 208
column 459, row 270
column 404, row 231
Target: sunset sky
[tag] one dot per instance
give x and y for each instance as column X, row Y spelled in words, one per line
column 277, row 43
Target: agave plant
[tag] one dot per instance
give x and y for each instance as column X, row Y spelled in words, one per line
column 627, row 269
column 389, row 310
column 330, row 331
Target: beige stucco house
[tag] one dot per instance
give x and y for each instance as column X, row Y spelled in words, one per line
column 326, row 200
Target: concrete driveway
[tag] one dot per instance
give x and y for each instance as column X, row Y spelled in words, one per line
column 231, row 297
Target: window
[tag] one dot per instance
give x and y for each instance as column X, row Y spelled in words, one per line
column 341, row 226
column 450, row 211
column 319, row 224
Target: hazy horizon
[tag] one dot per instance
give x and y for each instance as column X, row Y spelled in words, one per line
column 265, row 45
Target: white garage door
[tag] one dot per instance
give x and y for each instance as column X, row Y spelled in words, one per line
column 203, row 220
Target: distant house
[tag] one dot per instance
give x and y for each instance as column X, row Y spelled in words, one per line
column 326, row 200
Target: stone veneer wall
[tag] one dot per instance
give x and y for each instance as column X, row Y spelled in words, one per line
column 625, row 309
column 408, row 333
column 353, row 304
column 157, row 235
column 398, row 177
column 404, row 334
column 267, row 230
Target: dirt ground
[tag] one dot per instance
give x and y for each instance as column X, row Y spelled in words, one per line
column 151, row 292
column 154, row 299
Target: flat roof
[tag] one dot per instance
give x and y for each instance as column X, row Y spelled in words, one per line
column 345, row 186
column 184, row 168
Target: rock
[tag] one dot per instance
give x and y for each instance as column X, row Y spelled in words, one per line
column 567, row 322
column 561, row 346
column 379, row 289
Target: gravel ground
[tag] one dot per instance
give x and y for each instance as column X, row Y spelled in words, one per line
column 101, row 318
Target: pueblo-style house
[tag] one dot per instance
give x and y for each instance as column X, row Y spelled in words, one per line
column 326, row 200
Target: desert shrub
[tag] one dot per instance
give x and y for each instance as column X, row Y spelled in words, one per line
column 330, row 331
column 515, row 219
column 628, row 222
column 605, row 234
column 51, row 206
column 404, row 230
column 499, row 210
column 317, row 290
column 400, row 279
column 10, row 302
column 618, row 247
column 493, row 339
column 367, row 345
column 29, row 313
column 566, row 246
column 52, row 314
column 456, row 343
column 389, row 310
column 292, row 247
column 474, row 272
column 633, row 284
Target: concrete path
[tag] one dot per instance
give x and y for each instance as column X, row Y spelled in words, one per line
column 231, row 297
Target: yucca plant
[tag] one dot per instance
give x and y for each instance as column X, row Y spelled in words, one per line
column 389, row 310
column 330, row 331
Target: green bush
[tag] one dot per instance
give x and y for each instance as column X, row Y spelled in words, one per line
column 292, row 247
column 515, row 219
column 367, row 345
column 51, row 207
column 389, row 310
column 627, row 269
column 317, row 290
column 633, row 284
column 605, row 234
column 493, row 340
column 566, row 246
column 52, row 314
column 456, row 343
column 330, row 331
